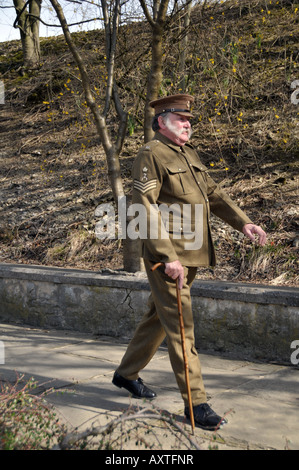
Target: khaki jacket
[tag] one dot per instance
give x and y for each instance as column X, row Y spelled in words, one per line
column 174, row 177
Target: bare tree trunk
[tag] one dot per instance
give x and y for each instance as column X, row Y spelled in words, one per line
column 28, row 24
column 183, row 45
column 157, row 23
column 112, row 150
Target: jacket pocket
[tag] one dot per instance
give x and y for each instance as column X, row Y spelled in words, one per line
column 180, row 179
column 200, row 174
column 199, row 168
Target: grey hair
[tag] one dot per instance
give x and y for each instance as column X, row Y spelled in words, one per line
column 155, row 123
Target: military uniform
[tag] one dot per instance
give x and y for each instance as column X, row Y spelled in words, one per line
column 165, row 174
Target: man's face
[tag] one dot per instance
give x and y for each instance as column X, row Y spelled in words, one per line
column 176, row 127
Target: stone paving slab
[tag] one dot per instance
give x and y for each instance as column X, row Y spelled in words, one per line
column 260, row 399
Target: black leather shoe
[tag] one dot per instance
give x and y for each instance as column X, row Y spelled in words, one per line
column 136, row 387
column 205, row 417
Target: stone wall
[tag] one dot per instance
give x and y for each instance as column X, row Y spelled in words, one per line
column 251, row 321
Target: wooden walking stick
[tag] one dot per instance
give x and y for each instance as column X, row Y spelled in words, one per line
column 182, row 330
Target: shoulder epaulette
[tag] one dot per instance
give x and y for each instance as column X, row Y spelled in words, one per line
column 151, row 144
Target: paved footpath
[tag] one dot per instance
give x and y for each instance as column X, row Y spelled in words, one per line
column 260, row 400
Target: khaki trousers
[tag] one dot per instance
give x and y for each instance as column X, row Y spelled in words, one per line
column 162, row 320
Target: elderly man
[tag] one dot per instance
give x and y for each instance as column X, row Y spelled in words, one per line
column 168, row 171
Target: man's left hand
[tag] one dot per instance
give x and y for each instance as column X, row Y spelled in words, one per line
column 250, row 230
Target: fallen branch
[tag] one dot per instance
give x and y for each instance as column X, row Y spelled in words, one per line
column 74, row 438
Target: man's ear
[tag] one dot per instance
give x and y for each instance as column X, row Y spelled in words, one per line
column 161, row 122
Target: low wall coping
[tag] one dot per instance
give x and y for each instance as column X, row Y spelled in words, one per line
column 253, row 293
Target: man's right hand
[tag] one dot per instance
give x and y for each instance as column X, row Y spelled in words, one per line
column 176, row 271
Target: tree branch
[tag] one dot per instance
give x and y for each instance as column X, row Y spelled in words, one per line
column 59, row 25
column 147, row 13
column 19, row 12
column 100, row 119
column 145, row 413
